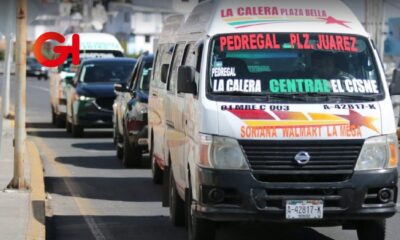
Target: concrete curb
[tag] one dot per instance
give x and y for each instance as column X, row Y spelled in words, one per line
column 36, row 223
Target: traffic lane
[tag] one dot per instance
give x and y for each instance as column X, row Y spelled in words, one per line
column 124, row 205
column 124, row 202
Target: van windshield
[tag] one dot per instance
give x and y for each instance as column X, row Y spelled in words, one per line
column 293, row 67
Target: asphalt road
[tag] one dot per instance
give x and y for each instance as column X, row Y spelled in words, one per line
column 93, row 197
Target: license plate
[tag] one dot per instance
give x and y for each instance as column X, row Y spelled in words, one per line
column 304, row 209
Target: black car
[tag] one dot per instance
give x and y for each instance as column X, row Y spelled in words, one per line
column 35, row 69
column 130, row 113
column 90, row 95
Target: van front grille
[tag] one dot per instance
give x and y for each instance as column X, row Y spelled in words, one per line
column 274, row 161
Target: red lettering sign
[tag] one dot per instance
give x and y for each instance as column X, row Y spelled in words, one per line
column 62, row 50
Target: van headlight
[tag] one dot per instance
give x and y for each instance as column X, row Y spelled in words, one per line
column 221, row 153
column 378, row 153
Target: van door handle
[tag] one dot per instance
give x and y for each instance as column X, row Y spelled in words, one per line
column 154, row 95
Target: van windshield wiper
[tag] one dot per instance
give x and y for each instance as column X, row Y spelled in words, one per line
column 291, row 96
column 239, row 93
column 341, row 95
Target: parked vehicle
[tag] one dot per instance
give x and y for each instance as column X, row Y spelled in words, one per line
column 274, row 111
column 130, row 113
column 92, row 45
column 163, row 57
column 35, row 69
column 395, row 94
column 91, row 94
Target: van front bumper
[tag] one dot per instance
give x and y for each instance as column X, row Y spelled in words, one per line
column 238, row 196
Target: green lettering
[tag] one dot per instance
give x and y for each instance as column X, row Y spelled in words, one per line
column 291, row 86
column 309, row 85
column 282, row 84
column 300, row 85
column 274, row 86
column 318, row 87
column 327, row 86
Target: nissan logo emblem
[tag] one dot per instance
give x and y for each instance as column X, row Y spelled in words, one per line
column 302, row 158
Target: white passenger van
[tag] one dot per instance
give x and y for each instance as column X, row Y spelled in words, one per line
column 163, row 55
column 275, row 111
column 92, row 45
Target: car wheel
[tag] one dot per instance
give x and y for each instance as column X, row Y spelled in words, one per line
column 132, row 155
column 371, row 230
column 198, row 229
column 59, row 122
column 157, row 173
column 77, row 131
column 176, row 204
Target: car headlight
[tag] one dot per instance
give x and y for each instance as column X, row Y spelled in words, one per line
column 85, row 98
column 378, row 153
column 221, row 153
column 142, row 108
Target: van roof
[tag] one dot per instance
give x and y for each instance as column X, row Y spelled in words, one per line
column 171, row 26
column 96, row 41
column 235, row 16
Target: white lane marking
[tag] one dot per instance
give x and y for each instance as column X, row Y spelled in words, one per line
column 41, row 88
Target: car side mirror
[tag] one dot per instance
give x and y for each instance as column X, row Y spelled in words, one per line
column 394, row 88
column 69, row 80
column 186, row 80
column 164, row 72
column 120, row 87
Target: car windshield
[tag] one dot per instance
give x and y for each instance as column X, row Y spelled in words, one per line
column 312, row 67
column 106, row 72
column 145, row 76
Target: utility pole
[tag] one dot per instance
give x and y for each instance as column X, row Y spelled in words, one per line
column 18, row 180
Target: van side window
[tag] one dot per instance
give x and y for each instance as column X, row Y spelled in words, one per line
column 177, row 61
column 129, row 84
column 133, row 81
column 199, row 57
column 164, row 55
column 190, row 56
column 155, row 65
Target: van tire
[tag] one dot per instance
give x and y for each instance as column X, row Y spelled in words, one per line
column 176, row 204
column 156, row 172
column 119, row 151
column 371, row 230
column 131, row 156
column 198, row 229
column 68, row 126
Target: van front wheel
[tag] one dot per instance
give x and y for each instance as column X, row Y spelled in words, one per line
column 176, row 204
column 371, row 230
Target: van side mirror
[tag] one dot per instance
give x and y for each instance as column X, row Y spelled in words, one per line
column 394, row 87
column 186, row 80
column 69, row 80
column 120, row 87
column 164, row 73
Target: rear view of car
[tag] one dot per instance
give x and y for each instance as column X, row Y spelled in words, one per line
column 91, row 95
column 35, row 69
